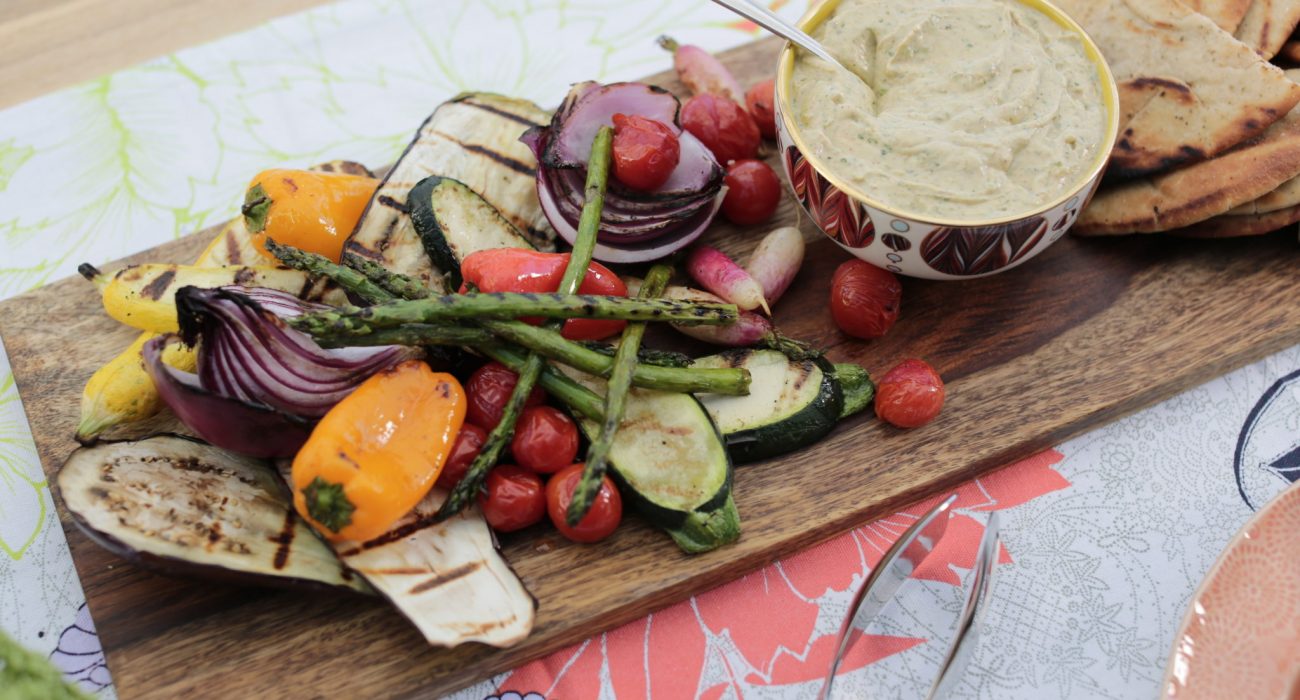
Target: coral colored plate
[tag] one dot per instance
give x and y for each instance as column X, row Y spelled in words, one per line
column 1240, row 637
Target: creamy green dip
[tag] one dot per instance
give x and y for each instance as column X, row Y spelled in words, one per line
column 971, row 109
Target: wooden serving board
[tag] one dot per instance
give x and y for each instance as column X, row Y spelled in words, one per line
column 1087, row 332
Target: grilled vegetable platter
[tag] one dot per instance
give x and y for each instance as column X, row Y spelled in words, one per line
column 372, row 379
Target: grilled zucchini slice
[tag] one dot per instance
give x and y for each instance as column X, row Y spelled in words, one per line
column 791, row 403
column 671, row 464
column 454, row 221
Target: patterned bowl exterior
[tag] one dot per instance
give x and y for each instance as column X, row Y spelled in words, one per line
column 915, row 247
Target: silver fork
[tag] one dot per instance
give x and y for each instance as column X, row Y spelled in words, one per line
column 903, row 558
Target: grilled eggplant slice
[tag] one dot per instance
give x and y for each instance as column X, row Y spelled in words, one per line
column 669, row 459
column 454, row 221
column 179, row 506
column 447, row 578
column 791, row 403
column 473, row 138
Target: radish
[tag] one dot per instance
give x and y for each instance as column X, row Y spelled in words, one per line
column 776, row 261
column 701, row 72
column 721, row 275
column 747, row 330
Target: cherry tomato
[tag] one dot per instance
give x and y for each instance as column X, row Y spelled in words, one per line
column 760, row 101
column 909, row 395
column 546, row 440
column 604, row 516
column 463, row 451
column 723, row 126
column 865, row 299
column 645, row 152
column 514, row 500
column 488, row 390
column 518, row 270
column 753, row 191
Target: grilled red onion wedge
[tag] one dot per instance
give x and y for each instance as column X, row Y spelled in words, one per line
column 634, row 226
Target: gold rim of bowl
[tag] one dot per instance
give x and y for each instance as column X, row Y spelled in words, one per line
column 1109, row 95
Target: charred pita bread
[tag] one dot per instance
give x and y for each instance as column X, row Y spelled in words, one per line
column 1188, row 89
column 1227, row 226
column 1193, row 194
column 1286, row 195
column 1268, row 24
column 1227, row 14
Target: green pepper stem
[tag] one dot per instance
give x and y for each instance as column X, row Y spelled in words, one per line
column 328, row 505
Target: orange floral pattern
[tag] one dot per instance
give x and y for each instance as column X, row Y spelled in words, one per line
column 770, row 627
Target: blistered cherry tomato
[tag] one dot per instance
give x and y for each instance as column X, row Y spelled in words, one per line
column 604, row 516
column 488, row 390
column 753, row 191
column 909, row 395
column 723, row 126
column 463, row 451
column 645, row 152
column 514, row 500
column 546, row 440
column 864, row 299
column 523, row 271
column 760, row 101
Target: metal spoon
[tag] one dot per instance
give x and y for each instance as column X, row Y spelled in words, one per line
column 903, row 558
column 764, row 18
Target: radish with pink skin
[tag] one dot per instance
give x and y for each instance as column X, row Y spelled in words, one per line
column 747, row 330
column 776, row 261
column 721, row 275
column 701, row 72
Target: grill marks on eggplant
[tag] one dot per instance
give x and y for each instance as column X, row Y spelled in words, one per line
column 524, row 115
column 446, row 577
column 177, row 505
column 515, row 165
column 284, row 540
column 485, row 155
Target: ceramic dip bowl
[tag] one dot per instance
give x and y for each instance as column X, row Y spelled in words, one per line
column 927, row 246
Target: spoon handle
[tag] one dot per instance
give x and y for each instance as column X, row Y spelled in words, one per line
column 764, row 18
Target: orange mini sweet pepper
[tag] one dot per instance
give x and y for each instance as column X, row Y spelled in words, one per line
column 377, row 453
column 312, row 211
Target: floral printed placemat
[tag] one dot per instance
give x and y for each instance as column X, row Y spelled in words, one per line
column 1105, row 537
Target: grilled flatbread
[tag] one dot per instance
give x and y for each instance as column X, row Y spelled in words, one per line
column 1268, row 24
column 1227, row 226
column 1188, row 90
column 1227, row 14
column 1286, row 195
column 1200, row 191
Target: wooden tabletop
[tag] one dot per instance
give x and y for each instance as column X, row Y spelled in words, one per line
column 50, row 44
